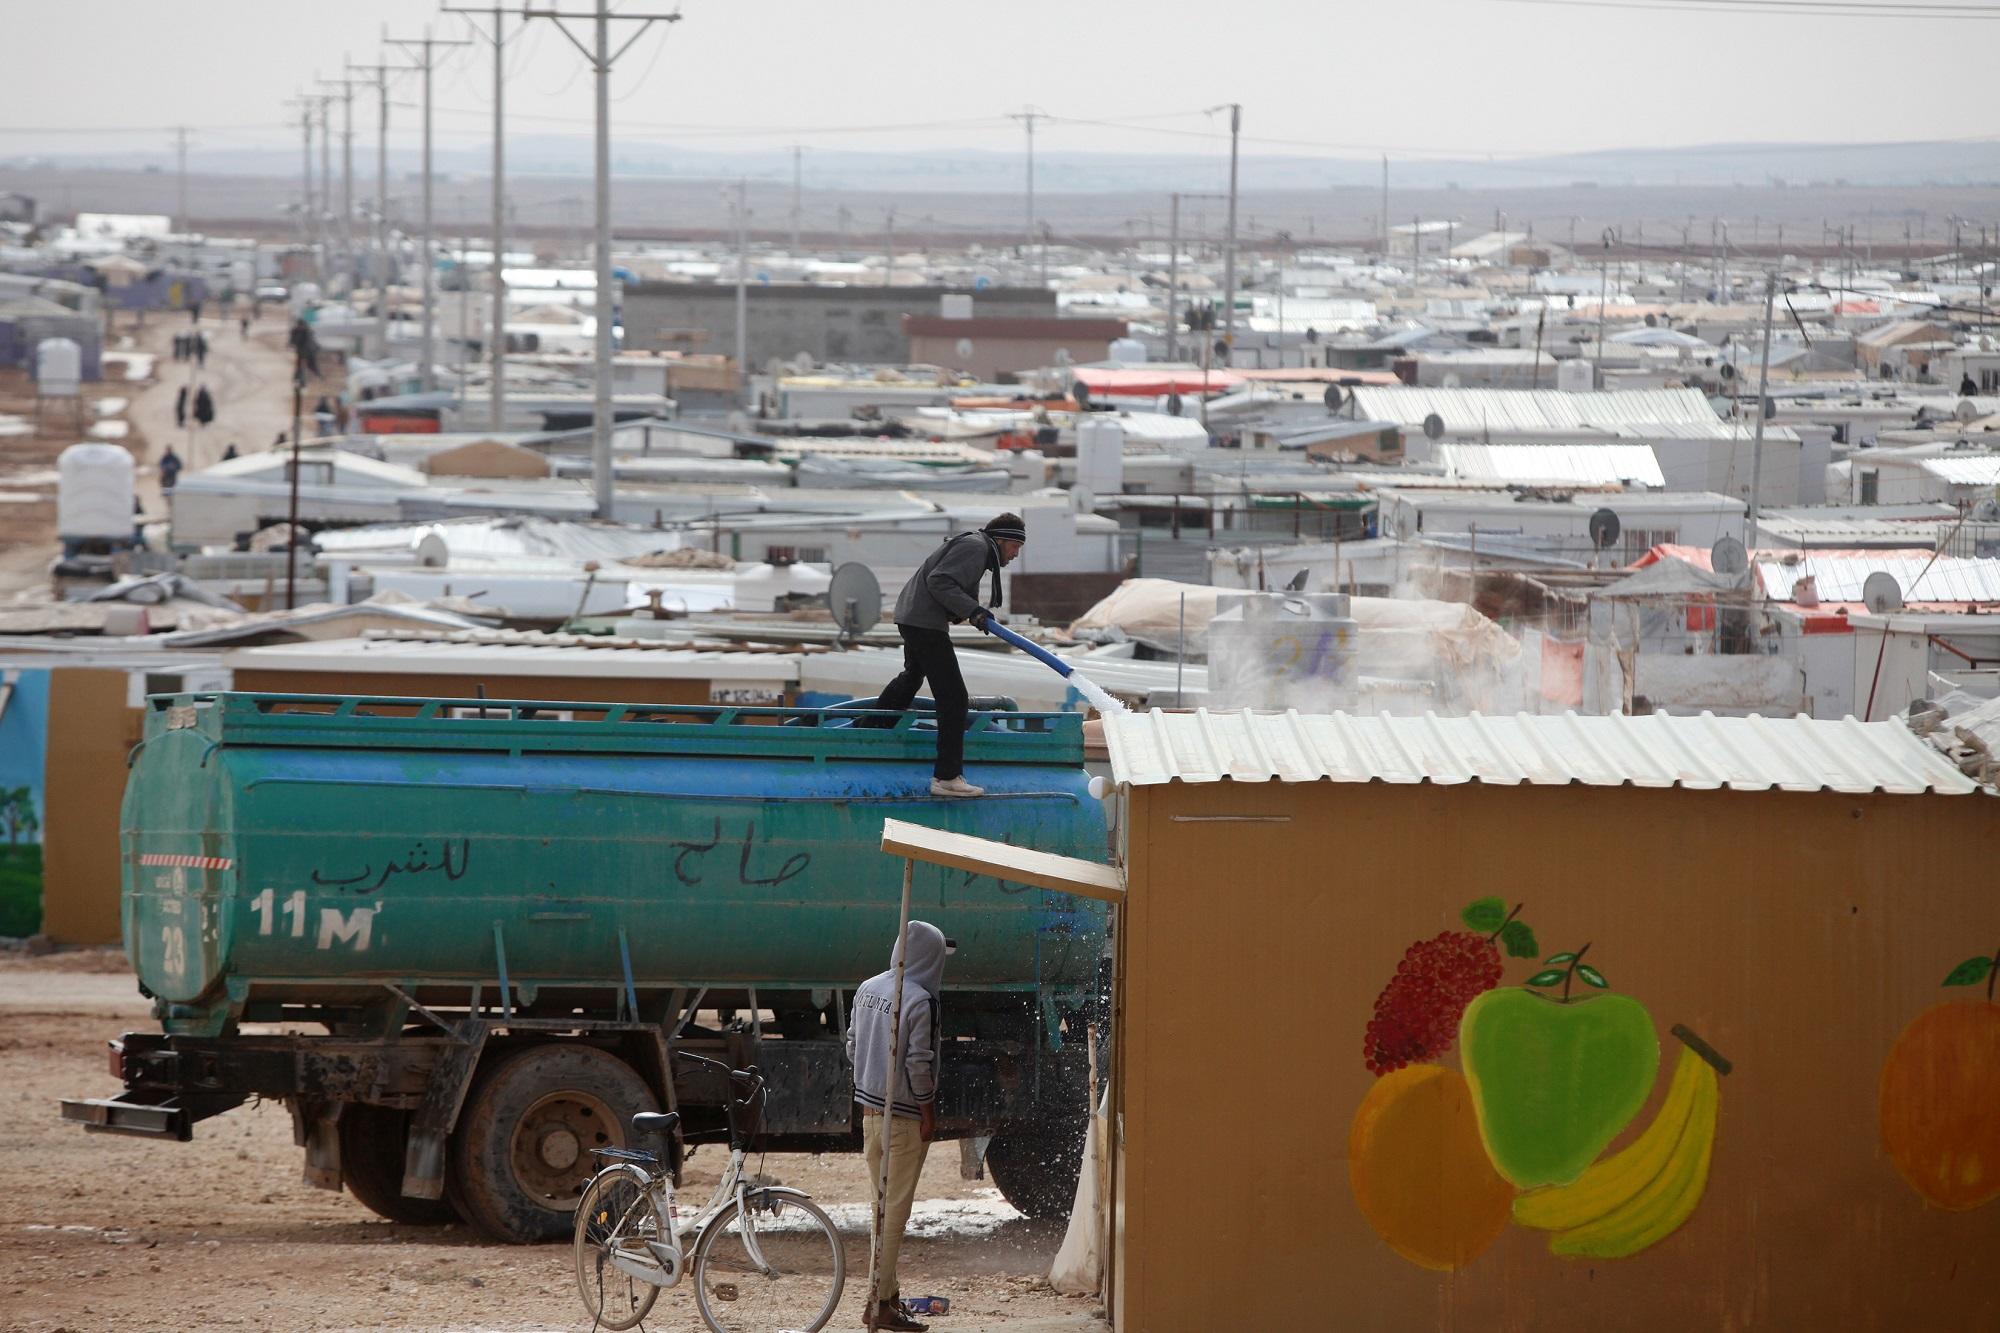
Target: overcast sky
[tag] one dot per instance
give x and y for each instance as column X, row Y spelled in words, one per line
column 1445, row 77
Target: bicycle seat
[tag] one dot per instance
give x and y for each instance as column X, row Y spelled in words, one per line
column 655, row 1122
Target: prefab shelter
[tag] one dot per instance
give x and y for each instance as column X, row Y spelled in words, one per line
column 1778, row 898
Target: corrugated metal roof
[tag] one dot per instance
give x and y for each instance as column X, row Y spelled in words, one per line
column 1533, row 409
column 1553, row 464
column 1965, row 470
column 1838, row 576
column 1706, row 752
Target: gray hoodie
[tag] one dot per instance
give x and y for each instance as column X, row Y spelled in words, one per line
column 945, row 589
column 868, row 1028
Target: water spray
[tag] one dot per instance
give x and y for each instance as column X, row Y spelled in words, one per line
column 1088, row 688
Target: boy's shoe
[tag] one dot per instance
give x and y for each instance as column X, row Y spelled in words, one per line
column 890, row 1318
column 955, row 787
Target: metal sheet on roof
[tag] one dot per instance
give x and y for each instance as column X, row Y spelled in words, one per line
column 1839, row 576
column 1553, row 464
column 1705, row 752
column 1965, row 470
column 1520, row 410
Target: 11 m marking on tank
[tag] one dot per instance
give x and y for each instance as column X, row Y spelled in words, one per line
column 355, row 927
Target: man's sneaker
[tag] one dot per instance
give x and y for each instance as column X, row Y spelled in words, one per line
column 955, row 787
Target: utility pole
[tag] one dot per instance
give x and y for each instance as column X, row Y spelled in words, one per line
column 1757, row 444
column 1385, row 208
column 601, row 59
column 324, row 217
column 305, row 106
column 378, row 264
column 426, row 62
column 741, row 208
column 346, row 87
column 181, row 194
column 798, row 193
column 497, row 343
column 1173, row 276
column 1229, row 254
column 889, row 261
column 1028, row 116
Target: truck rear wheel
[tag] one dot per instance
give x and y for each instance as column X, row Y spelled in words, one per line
column 1036, row 1168
column 372, row 1139
column 520, row 1155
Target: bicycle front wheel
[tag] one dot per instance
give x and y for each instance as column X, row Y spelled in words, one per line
column 796, row 1286
column 616, row 1212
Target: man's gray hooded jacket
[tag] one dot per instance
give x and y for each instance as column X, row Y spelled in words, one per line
column 868, row 1026
column 945, row 589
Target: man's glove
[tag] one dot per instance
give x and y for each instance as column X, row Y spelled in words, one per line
column 980, row 619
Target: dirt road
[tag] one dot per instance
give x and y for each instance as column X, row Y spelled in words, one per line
column 105, row 1233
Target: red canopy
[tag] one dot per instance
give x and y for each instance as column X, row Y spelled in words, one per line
column 1151, row 383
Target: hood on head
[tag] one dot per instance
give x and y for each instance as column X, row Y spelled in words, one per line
column 926, row 965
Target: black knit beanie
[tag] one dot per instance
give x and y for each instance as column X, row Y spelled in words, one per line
column 1007, row 528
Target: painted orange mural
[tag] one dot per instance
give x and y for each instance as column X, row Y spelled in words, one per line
column 1419, row 1172
column 1552, row 1075
column 1940, row 1101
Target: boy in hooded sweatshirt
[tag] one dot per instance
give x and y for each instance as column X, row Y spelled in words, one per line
column 906, row 1089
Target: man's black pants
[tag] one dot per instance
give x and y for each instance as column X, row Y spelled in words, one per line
column 929, row 656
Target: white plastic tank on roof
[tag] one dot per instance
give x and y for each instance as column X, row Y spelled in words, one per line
column 1100, row 454
column 1128, row 351
column 94, row 492
column 58, row 368
column 1282, row 650
column 955, row 305
column 1576, row 376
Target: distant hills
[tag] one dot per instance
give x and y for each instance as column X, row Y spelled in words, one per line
column 1935, row 163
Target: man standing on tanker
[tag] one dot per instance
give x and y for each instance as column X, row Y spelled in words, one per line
column 944, row 592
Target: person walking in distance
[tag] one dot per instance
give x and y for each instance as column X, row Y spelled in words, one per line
column 170, row 469
column 942, row 593
column 897, row 1096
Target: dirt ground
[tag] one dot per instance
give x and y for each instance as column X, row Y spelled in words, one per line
column 249, row 378
column 100, row 1232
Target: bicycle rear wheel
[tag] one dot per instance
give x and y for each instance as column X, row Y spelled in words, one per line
column 616, row 1212
column 797, row 1287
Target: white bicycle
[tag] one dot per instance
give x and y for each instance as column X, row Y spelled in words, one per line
column 766, row 1258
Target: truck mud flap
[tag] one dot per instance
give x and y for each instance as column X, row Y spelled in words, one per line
column 170, row 1117
column 423, row 1157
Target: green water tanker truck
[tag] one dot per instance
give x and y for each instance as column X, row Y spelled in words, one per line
column 462, row 940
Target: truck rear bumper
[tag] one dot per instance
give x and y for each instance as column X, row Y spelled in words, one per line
column 164, row 1119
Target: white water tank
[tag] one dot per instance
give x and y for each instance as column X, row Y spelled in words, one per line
column 1273, row 650
column 1576, row 375
column 1100, row 454
column 94, row 493
column 58, row 368
column 1128, row 350
column 955, row 305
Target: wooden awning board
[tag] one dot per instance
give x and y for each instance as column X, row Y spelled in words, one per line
column 1016, row 865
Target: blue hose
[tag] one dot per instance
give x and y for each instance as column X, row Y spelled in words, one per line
column 1035, row 650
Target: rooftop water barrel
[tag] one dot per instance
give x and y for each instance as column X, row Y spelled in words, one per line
column 1576, row 375
column 1282, row 650
column 94, row 492
column 58, row 368
column 1100, row 454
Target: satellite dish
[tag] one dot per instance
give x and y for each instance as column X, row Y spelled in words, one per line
column 775, row 367
column 964, row 348
column 1222, row 350
column 1967, row 411
column 855, row 598
column 1063, row 356
column 1881, row 593
column 1770, row 408
column 1081, row 392
column 1652, row 321
column 1433, row 427
column 1727, row 556
column 1603, row 528
column 1726, row 370
column 1174, row 405
column 802, row 364
column 1333, row 397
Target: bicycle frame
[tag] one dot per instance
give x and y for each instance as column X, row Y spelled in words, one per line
column 671, row 1254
